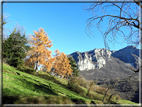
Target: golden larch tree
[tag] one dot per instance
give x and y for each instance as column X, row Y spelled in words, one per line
column 61, row 64
column 40, row 53
column 29, row 63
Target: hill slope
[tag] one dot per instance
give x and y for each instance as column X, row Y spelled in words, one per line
column 24, row 88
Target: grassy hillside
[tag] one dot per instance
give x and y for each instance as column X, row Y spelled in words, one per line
column 42, row 88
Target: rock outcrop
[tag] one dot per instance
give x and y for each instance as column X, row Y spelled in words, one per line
column 96, row 59
column 92, row 59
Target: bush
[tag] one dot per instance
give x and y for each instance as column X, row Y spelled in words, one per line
column 79, row 90
column 44, row 100
column 78, row 81
column 73, row 81
column 26, row 69
column 117, row 97
column 73, row 84
column 102, row 90
column 91, row 87
column 92, row 96
column 95, row 97
column 83, row 82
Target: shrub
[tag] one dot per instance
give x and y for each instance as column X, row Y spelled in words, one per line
column 73, row 81
column 79, row 81
column 92, row 96
column 90, row 88
column 78, row 90
column 44, row 100
column 25, row 69
column 95, row 97
column 73, row 84
column 83, row 82
column 102, row 90
column 111, row 99
column 117, row 97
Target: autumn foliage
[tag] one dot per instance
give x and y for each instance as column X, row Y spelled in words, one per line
column 61, row 64
column 29, row 63
column 40, row 54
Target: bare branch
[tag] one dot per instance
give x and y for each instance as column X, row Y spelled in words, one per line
column 126, row 15
column 138, row 2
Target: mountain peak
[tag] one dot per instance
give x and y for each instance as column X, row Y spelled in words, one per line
column 97, row 58
column 131, row 46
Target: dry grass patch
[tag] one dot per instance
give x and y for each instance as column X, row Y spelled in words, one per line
column 45, row 100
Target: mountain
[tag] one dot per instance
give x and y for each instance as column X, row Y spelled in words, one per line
column 103, row 63
column 129, row 54
column 107, row 67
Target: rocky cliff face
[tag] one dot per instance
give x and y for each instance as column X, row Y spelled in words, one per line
column 96, row 59
column 92, row 59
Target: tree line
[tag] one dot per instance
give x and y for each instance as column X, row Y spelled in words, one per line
column 19, row 51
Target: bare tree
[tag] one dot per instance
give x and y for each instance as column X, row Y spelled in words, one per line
column 119, row 15
column 4, row 31
column 136, row 71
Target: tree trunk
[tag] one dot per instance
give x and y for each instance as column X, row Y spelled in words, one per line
column 37, row 67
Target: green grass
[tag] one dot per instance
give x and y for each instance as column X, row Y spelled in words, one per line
column 42, row 88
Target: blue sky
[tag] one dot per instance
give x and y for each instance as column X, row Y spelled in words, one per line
column 65, row 24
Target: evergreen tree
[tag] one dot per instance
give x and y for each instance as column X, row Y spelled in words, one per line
column 74, row 67
column 15, row 48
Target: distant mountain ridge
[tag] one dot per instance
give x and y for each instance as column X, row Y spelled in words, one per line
column 97, row 58
column 103, row 63
column 129, row 54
